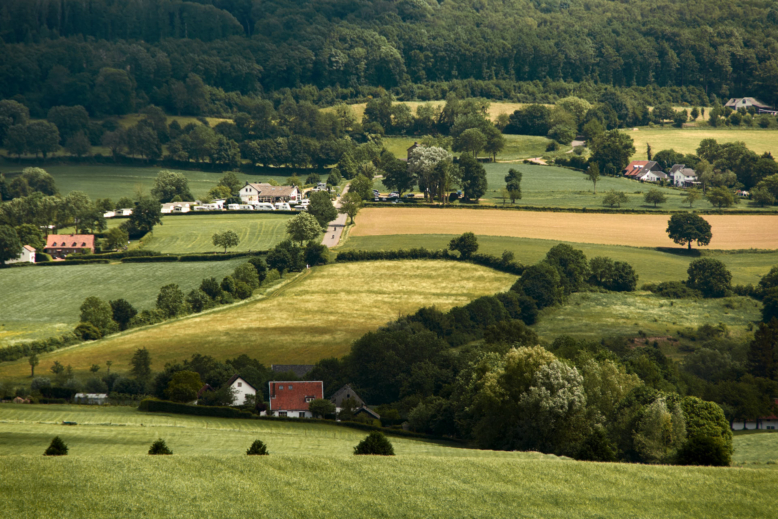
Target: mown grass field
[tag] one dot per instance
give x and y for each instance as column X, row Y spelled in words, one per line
column 38, row 302
column 734, row 232
column 194, row 232
column 594, row 315
column 115, row 182
column 687, row 140
column 315, row 316
column 652, row 265
column 311, row 472
column 756, row 448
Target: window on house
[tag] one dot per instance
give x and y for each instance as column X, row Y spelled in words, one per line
column 302, row 414
column 240, row 384
column 282, row 413
column 309, row 399
column 290, row 388
column 280, row 387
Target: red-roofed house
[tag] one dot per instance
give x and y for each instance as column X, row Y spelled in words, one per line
column 60, row 245
column 764, row 422
column 638, row 168
column 291, row 398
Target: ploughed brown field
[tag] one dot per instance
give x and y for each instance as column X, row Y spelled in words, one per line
column 729, row 232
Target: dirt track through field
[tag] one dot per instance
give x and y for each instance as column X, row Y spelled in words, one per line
column 729, row 232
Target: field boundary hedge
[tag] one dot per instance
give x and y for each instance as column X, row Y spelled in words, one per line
column 151, row 405
column 485, row 260
column 544, row 209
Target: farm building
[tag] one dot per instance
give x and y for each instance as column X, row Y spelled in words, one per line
column 366, row 411
column 651, row 176
column 344, row 394
column 681, row 176
column 299, row 370
column 91, row 398
column 242, row 389
column 639, row 168
column 61, row 245
column 253, row 193
column 747, row 102
column 291, row 398
column 26, row 256
column 764, row 422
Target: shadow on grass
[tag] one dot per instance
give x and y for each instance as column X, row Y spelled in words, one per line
column 679, row 251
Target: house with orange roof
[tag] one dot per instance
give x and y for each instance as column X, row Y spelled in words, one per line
column 59, row 246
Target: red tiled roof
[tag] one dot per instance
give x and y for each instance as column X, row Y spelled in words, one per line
column 70, row 241
column 635, row 167
column 31, row 249
column 291, row 395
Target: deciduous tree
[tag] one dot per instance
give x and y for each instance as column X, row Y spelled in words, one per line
column 225, row 239
column 685, row 228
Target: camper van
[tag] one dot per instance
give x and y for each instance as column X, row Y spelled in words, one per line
column 264, row 206
column 282, row 206
column 246, row 207
column 233, row 207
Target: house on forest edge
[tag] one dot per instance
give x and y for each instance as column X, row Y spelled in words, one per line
column 27, row 255
column 59, row 246
column 681, row 176
column 764, row 422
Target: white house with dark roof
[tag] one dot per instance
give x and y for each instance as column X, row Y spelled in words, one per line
column 746, row 102
column 256, row 193
column 241, row 389
column 681, row 176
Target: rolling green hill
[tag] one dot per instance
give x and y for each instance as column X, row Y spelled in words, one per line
column 311, row 472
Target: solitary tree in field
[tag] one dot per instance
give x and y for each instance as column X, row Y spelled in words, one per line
column 159, row 448
column 691, row 196
column 350, row 205
column 654, row 196
column 467, row 244
column 614, row 198
column 513, row 184
column 33, row 362
column 303, row 227
column 108, row 364
column 258, row 448
column 226, row 239
column 593, row 174
column 685, row 228
column 141, row 364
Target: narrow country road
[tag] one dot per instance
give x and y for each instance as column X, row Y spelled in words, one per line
column 335, row 227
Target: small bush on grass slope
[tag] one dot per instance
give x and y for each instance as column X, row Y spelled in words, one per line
column 57, row 448
column 257, row 449
column 159, row 447
column 375, row 443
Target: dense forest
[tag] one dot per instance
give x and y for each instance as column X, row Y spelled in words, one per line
column 117, row 56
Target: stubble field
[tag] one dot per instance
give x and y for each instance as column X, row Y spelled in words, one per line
column 729, row 232
column 687, row 140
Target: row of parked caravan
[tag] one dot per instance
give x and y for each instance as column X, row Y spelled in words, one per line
column 256, row 206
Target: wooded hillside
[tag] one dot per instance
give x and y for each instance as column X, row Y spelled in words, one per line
column 56, row 52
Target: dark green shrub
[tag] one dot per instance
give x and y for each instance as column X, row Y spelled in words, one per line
column 704, row 450
column 597, row 447
column 376, row 444
column 257, row 449
column 87, row 332
column 673, row 290
column 709, row 276
column 57, row 448
column 242, row 290
column 159, row 448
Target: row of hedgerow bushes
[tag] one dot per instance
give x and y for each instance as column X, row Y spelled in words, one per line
column 497, row 263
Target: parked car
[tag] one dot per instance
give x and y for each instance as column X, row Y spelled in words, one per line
column 394, row 195
column 409, row 195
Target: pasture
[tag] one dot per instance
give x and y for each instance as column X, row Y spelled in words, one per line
column 687, row 140
column 193, row 232
column 315, row 316
column 108, row 471
column 115, row 182
column 756, row 448
column 39, row 302
column 595, row 315
column 652, row 265
column 729, row 232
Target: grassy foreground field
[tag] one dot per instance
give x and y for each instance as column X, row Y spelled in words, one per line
column 652, row 265
column 311, row 472
column 315, row 316
column 734, row 232
column 53, row 295
column 687, row 140
column 193, row 233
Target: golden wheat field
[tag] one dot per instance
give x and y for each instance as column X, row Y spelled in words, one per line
column 729, row 232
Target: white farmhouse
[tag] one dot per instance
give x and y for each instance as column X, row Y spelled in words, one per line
column 242, row 390
column 26, row 256
column 652, row 176
column 681, row 176
column 255, row 193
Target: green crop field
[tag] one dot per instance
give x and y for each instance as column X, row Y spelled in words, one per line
column 756, row 448
column 194, row 232
column 315, row 316
column 687, row 140
column 311, row 472
column 594, row 315
column 652, row 265
column 38, row 302
column 115, row 182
